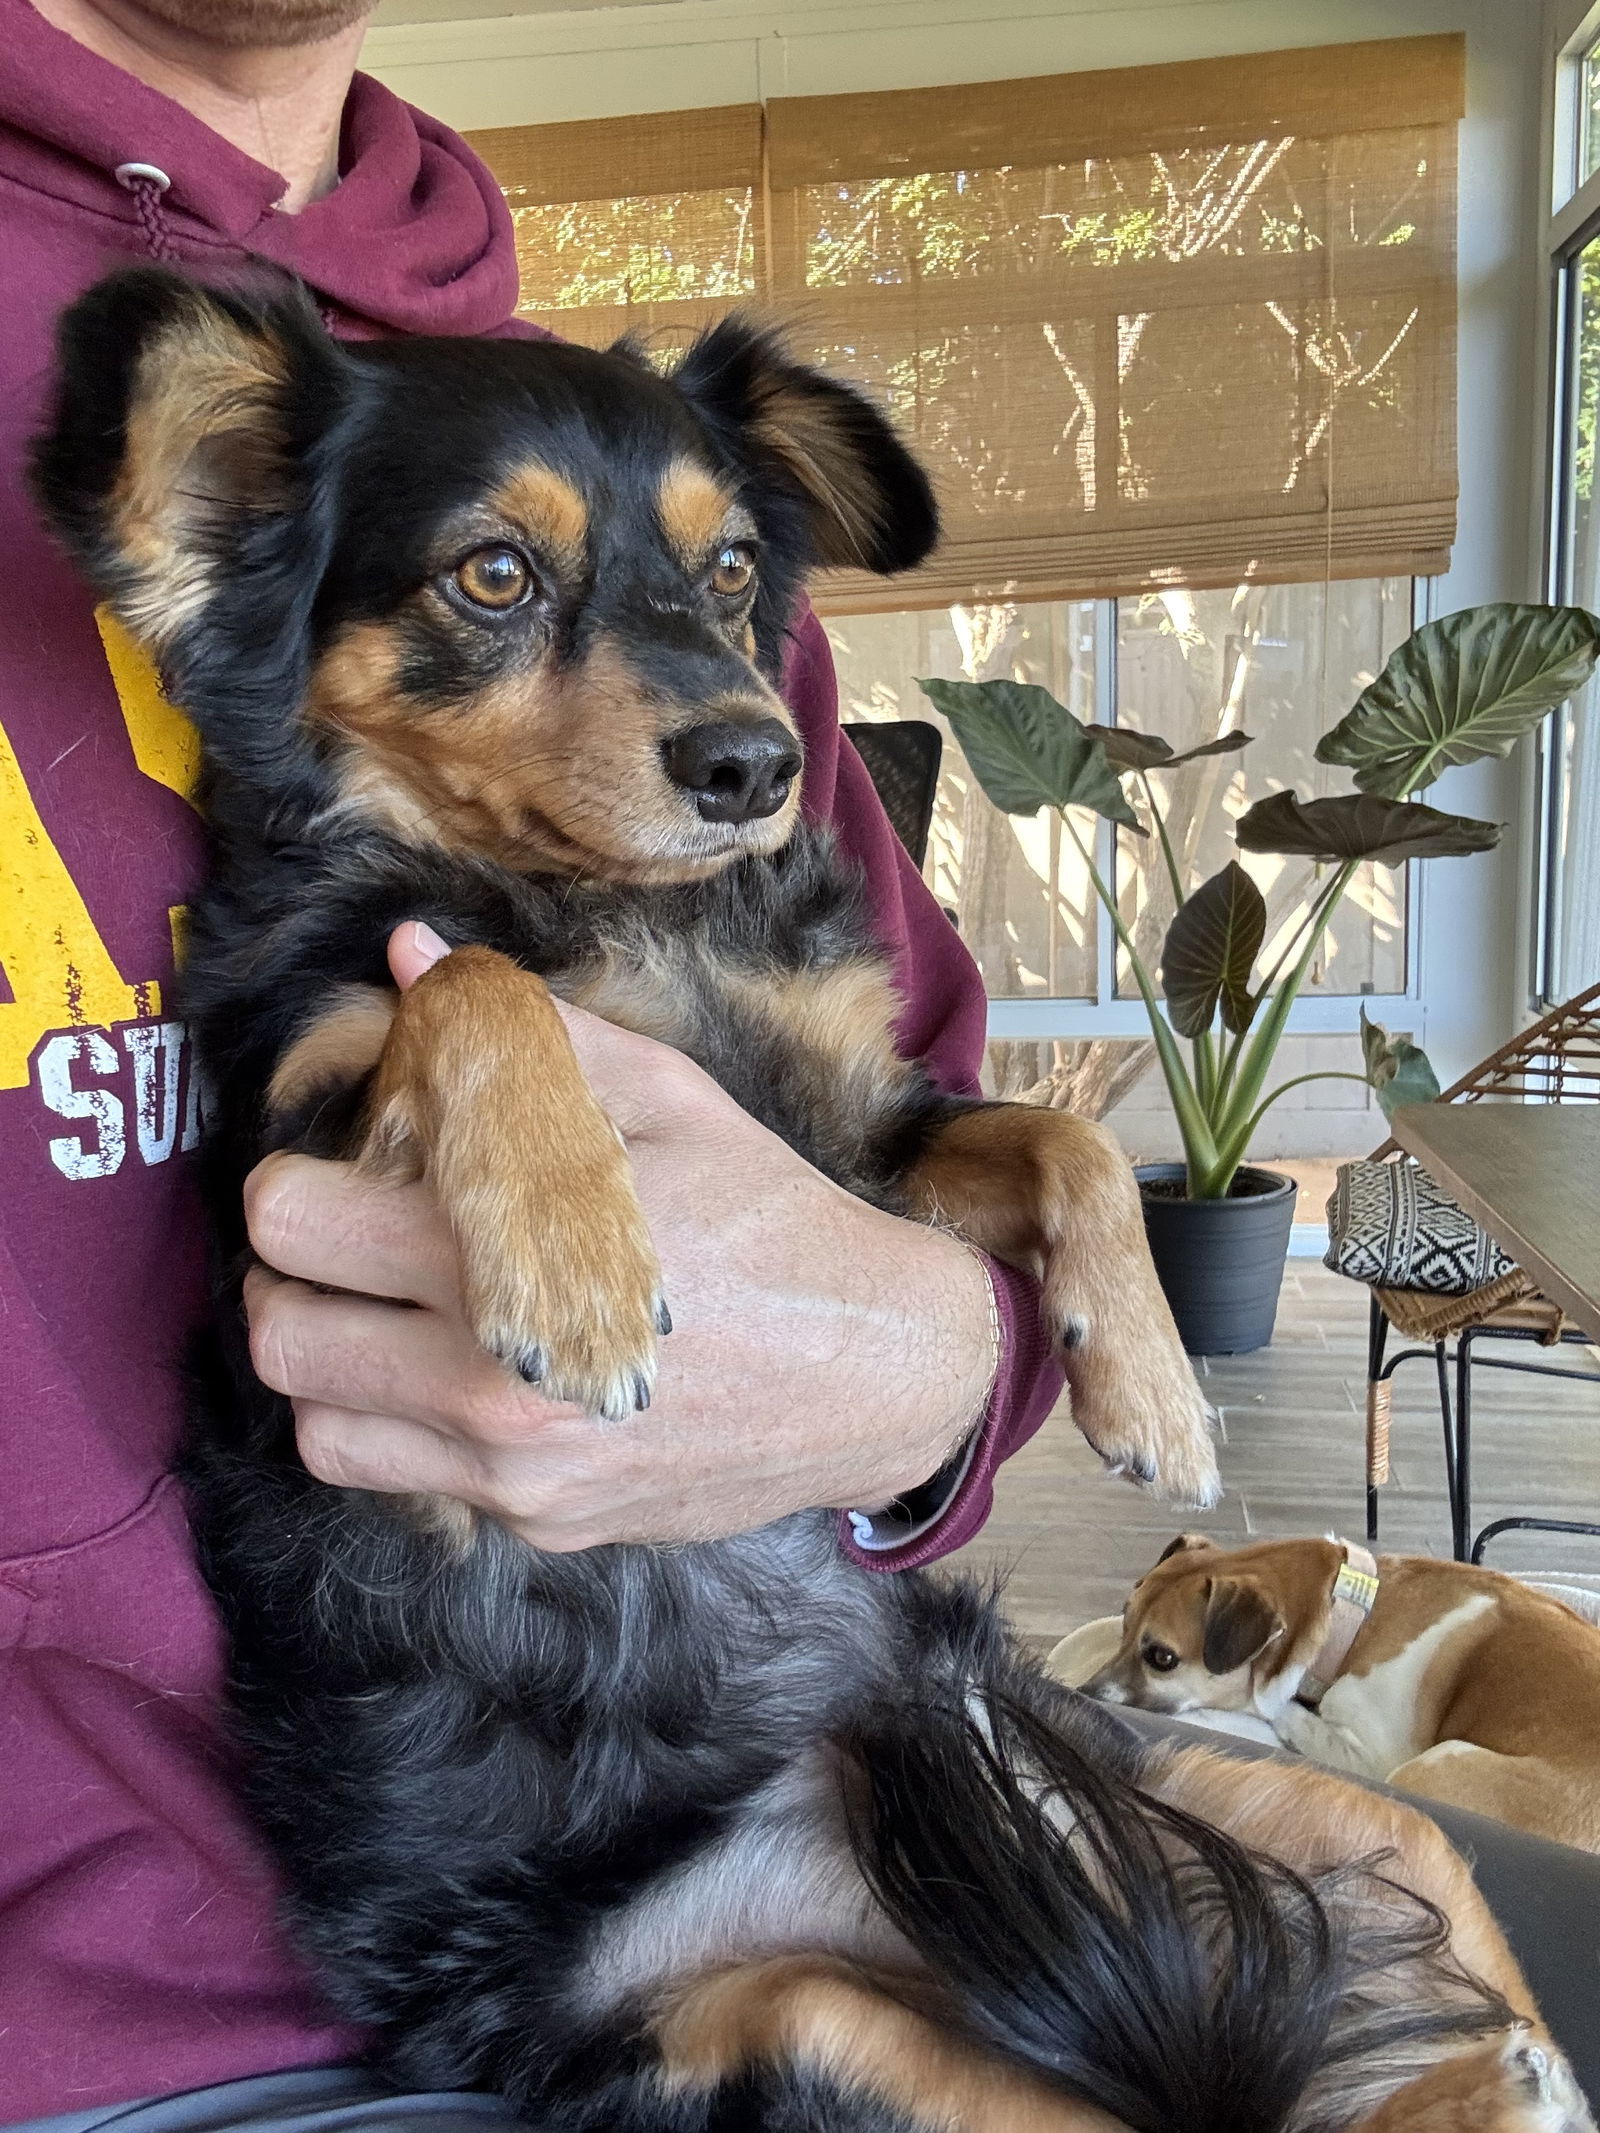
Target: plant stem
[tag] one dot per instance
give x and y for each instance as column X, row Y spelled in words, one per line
column 1199, row 1143
column 1168, row 854
column 1283, row 1088
column 1233, row 1132
column 1330, row 892
column 1205, row 1071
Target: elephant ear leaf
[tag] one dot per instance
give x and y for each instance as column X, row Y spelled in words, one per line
column 1210, row 951
column 1467, row 686
column 1359, row 826
column 1399, row 1071
column 1027, row 751
column 1128, row 750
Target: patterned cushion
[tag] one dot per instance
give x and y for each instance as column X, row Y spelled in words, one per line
column 1392, row 1227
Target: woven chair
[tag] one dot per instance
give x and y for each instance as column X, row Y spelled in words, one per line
column 902, row 756
column 1556, row 1061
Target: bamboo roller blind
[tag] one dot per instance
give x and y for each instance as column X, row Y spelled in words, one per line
column 1186, row 324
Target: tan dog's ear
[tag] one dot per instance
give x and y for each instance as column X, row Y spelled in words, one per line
column 1184, row 1544
column 1240, row 1622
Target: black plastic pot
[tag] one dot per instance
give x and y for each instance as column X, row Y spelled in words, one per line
column 1220, row 1261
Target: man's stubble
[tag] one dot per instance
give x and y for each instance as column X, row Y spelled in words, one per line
column 237, row 25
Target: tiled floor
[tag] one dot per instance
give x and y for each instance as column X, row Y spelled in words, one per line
column 1072, row 1540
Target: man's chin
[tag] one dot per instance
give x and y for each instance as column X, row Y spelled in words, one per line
column 242, row 25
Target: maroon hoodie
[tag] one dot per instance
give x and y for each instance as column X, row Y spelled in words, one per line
column 139, row 1949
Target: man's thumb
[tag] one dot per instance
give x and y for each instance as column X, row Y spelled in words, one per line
column 414, row 948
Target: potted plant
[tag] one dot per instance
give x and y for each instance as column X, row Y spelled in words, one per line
column 1457, row 690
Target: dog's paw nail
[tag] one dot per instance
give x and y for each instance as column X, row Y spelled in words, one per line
column 1143, row 1470
column 663, row 1316
column 1533, row 2066
column 641, row 1392
column 531, row 1364
column 1071, row 1334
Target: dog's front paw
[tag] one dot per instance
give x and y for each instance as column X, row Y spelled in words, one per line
column 1297, row 1728
column 1138, row 1403
column 1515, row 2084
column 1541, row 2093
column 565, row 1289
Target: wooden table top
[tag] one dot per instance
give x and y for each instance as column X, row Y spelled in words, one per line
column 1530, row 1174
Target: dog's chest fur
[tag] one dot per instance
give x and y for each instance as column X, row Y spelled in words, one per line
column 768, row 976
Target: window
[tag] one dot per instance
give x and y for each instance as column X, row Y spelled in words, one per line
column 1589, row 112
column 1569, row 901
column 1280, row 662
column 1572, row 921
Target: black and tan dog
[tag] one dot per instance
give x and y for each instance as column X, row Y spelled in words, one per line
column 731, row 1836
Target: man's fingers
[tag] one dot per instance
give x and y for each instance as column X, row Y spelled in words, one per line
column 414, row 948
column 382, row 1359
column 382, row 1452
column 324, row 1222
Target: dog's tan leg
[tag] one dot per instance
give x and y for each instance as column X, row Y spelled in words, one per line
column 477, row 1087
column 1524, row 1790
column 1055, row 1194
column 1311, row 1821
column 816, row 2012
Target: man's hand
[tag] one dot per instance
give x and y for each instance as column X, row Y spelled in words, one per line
column 822, row 1352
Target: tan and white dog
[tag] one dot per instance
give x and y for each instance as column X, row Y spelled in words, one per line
column 1457, row 1683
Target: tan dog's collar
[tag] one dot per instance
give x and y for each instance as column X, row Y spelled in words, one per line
column 1354, row 1591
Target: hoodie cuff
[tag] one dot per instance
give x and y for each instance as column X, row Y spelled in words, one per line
column 947, row 1511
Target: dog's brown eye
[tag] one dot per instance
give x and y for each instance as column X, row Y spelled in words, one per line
column 494, row 577
column 1160, row 1658
column 736, row 566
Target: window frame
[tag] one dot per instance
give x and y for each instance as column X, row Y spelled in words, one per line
column 1572, row 224
column 1040, row 1020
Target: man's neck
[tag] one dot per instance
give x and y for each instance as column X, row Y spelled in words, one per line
column 279, row 104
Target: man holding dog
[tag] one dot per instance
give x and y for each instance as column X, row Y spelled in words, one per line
column 824, row 1353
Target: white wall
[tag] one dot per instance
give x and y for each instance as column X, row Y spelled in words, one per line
column 587, row 62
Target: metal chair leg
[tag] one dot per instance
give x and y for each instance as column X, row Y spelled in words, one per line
column 1461, row 1495
column 1377, row 1411
column 1447, row 1416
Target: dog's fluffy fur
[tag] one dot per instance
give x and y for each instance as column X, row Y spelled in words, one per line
column 704, row 1838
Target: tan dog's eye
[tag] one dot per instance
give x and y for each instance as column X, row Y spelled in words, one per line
column 1160, row 1658
column 736, row 566
column 496, row 578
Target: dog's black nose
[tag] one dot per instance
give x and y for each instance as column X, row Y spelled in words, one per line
column 735, row 771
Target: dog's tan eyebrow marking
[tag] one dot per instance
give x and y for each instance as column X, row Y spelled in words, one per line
column 693, row 508
column 549, row 509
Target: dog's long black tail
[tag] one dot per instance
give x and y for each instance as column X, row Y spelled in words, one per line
column 1137, row 1958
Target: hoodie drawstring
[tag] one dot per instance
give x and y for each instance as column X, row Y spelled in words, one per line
column 147, row 182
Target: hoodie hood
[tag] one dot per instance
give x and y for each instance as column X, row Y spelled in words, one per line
column 415, row 238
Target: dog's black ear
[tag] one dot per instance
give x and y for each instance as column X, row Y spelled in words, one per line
column 183, row 469
column 1240, row 1622
column 868, row 505
column 1185, row 1544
